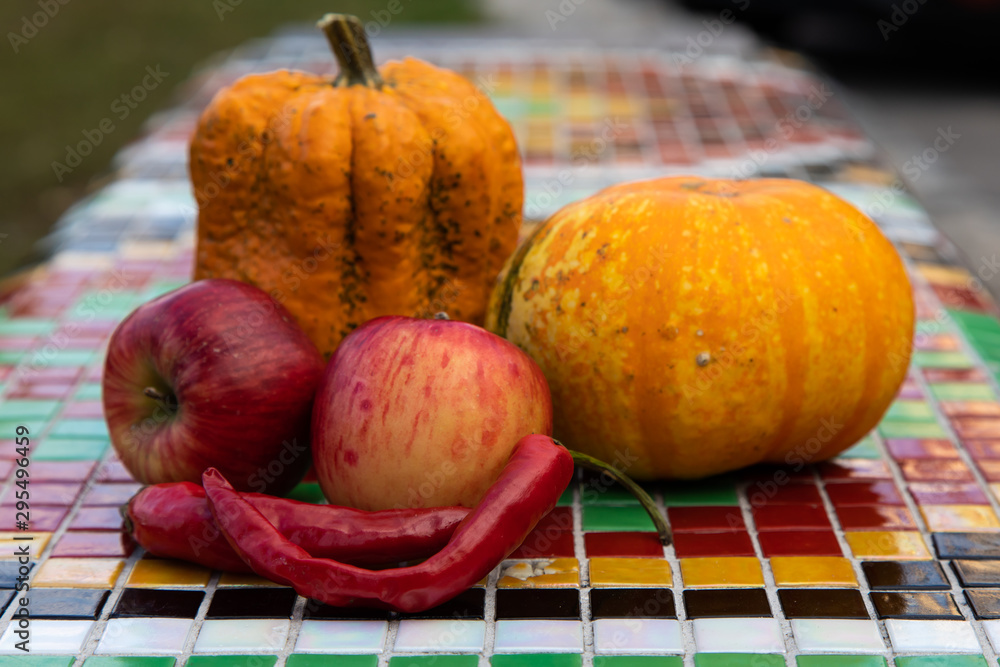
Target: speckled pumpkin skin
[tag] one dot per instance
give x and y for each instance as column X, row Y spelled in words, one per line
column 348, row 202
column 689, row 327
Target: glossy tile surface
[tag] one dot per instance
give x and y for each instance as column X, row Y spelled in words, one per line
column 815, row 571
column 743, row 635
column 628, row 572
column 836, row 635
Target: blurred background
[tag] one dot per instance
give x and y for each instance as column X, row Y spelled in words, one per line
column 908, row 69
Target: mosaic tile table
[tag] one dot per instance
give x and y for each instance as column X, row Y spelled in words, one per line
column 889, row 554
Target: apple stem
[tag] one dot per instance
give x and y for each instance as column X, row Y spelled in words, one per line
column 647, row 502
column 168, row 401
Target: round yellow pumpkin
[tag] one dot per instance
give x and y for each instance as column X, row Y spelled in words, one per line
column 691, row 326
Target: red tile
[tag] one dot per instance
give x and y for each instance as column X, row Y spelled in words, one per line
column 854, row 469
column 705, row 519
column 910, row 390
column 875, row 517
column 777, row 517
column 16, row 343
column 623, row 545
column 61, row 471
column 560, row 518
column 921, row 449
column 990, row 469
column 542, row 544
column 5, row 468
column 934, row 375
column 729, row 543
column 114, row 471
column 947, row 493
column 951, row 470
column 41, row 391
column 976, row 427
column 97, row 518
column 970, row 408
column 96, row 544
column 83, row 410
column 40, row 517
column 961, row 297
column 799, row 543
column 46, row 493
column 864, row 493
column 110, row 494
column 52, row 374
column 789, row 494
column 983, row 449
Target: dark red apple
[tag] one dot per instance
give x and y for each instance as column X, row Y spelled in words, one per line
column 422, row 413
column 214, row 374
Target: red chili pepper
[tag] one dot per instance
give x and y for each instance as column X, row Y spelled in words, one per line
column 529, row 486
column 174, row 521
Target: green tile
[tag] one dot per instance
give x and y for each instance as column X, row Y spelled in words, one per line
column 231, row 661
column 606, row 518
column 434, row 661
column 69, row 449
column 962, row 391
column 941, row 661
column 638, row 661
column 841, row 661
column 599, row 494
column 918, row 411
column 88, row 391
column 96, row 429
column 931, row 359
column 566, row 499
column 537, row 660
column 896, row 429
column 319, row 660
column 130, row 661
column 156, row 289
column 26, row 326
column 8, row 427
column 27, row 409
column 711, row 491
column 971, row 321
column 10, row 357
column 62, row 358
column 738, row 660
column 307, row 492
column 865, row 449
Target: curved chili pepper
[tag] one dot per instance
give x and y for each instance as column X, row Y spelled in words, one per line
column 529, row 486
column 174, row 521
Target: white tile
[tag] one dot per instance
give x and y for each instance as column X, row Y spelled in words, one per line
column 46, row 636
column 149, row 636
column 341, row 636
column 837, row 635
column 538, row 637
column 239, row 635
column 440, row 635
column 637, row 635
column 931, row 636
column 992, row 629
column 738, row 635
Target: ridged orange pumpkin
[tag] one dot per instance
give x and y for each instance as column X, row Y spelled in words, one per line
column 689, row 327
column 380, row 192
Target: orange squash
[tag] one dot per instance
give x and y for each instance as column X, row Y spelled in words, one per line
column 392, row 191
column 689, row 326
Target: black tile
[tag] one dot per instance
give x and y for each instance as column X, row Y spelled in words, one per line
column 967, row 545
column 155, row 602
column 632, row 603
column 822, row 603
column 985, row 604
column 914, row 574
column 319, row 611
column 252, row 603
column 469, row 604
column 10, row 570
column 66, row 602
column 915, row 605
column 5, row 598
column 710, row 603
column 977, row 573
column 538, row 603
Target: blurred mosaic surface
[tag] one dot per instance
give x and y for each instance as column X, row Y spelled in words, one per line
column 889, row 554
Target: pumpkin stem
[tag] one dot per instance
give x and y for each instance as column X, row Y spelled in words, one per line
column 349, row 43
column 648, row 504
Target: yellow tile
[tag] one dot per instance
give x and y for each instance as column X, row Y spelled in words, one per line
column 731, row 572
column 233, row 579
column 9, row 546
column 156, row 573
column 813, row 571
column 959, row 518
column 540, row 573
column 887, row 544
column 78, row 573
column 619, row 572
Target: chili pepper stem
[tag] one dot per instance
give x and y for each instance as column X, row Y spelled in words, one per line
column 648, row 504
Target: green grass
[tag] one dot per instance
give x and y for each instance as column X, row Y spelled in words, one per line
column 65, row 78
